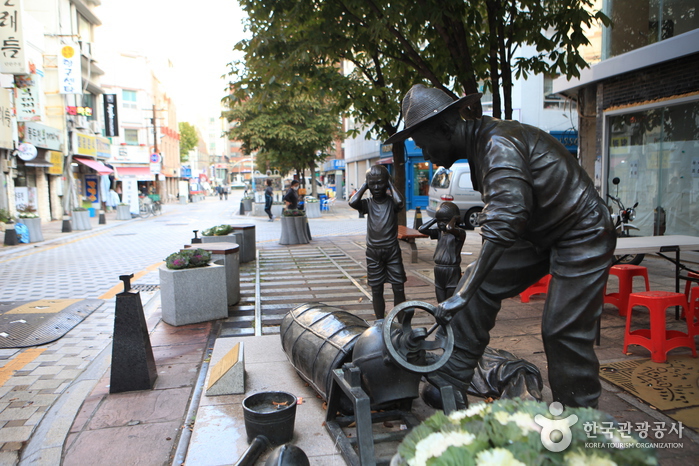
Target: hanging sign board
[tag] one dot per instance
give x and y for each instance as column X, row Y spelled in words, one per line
column 12, row 45
column 69, row 79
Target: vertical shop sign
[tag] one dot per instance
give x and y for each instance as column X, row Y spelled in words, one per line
column 28, row 97
column 6, row 139
column 69, row 79
column 92, row 188
column 12, row 47
column 111, row 118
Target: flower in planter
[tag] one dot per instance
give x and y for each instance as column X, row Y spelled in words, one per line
column 27, row 212
column 294, row 213
column 188, row 258
column 511, row 432
column 310, row 200
column 220, row 230
column 79, row 209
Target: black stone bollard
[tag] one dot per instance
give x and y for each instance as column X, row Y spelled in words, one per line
column 102, row 218
column 133, row 364
column 196, row 239
column 67, row 227
column 242, row 208
column 417, row 223
column 10, row 234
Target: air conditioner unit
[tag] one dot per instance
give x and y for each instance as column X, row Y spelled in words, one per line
column 95, row 127
column 80, row 122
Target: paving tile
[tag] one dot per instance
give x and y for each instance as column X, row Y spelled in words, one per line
column 143, row 406
column 150, row 443
column 15, row 434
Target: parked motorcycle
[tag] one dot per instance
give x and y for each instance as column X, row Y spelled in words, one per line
column 623, row 226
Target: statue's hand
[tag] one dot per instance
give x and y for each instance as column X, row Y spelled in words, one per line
column 447, row 309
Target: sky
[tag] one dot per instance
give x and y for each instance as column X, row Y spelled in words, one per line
column 197, row 36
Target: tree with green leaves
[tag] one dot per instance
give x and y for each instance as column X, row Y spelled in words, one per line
column 188, row 140
column 391, row 45
column 289, row 130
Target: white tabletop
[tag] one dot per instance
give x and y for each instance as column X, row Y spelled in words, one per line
column 652, row 244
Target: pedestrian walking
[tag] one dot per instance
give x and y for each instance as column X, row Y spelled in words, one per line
column 269, row 199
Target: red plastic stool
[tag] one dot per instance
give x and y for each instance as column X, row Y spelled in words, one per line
column 657, row 339
column 625, row 274
column 540, row 287
column 693, row 312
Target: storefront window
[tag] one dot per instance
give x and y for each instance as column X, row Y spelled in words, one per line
column 637, row 23
column 655, row 154
column 421, row 179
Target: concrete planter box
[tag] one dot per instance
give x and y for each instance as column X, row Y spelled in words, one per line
column 81, row 220
column 123, row 212
column 294, row 230
column 234, row 237
column 247, row 203
column 258, row 210
column 312, row 209
column 193, row 295
column 34, row 226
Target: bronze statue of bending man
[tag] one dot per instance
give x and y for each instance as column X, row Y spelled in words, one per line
column 542, row 215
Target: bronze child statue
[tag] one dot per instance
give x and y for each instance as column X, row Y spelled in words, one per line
column 383, row 253
column 447, row 255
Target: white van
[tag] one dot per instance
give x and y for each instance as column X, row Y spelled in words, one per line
column 454, row 184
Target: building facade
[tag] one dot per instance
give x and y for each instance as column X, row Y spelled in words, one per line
column 639, row 114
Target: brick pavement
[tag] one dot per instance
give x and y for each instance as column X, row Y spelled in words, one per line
column 72, row 419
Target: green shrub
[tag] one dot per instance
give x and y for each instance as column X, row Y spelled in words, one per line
column 188, row 258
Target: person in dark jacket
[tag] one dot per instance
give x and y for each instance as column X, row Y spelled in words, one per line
column 542, row 215
column 291, row 198
column 269, row 198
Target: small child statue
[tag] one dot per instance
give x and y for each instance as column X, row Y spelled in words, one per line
column 383, row 253
column 447, row 255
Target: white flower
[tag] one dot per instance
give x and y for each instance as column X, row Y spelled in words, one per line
column 523, row 420
column 479, row 409
column 437, row 443
column 497, row 457
column 580, row 459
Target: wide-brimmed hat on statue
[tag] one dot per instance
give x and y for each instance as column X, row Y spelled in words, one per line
column 422, row 103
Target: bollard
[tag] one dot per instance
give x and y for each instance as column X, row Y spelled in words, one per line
column 10, row 234
column 102, row 219
column 133, row 364
column 196, row 239
column 67, row 227
column 242, row 208
column 417, row 223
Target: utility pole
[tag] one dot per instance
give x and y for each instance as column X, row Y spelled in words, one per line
column 155, row 145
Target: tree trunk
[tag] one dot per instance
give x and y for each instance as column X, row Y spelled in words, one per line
column 493, row 7
column 399, row 176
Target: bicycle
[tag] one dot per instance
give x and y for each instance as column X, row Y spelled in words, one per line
column 146, row 208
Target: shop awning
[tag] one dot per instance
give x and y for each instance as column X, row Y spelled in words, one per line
column 139, row 173
column 96, row 165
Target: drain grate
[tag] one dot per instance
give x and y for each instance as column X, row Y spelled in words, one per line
column 140, row 287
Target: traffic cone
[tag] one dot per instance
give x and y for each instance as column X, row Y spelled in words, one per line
column 417, row 223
